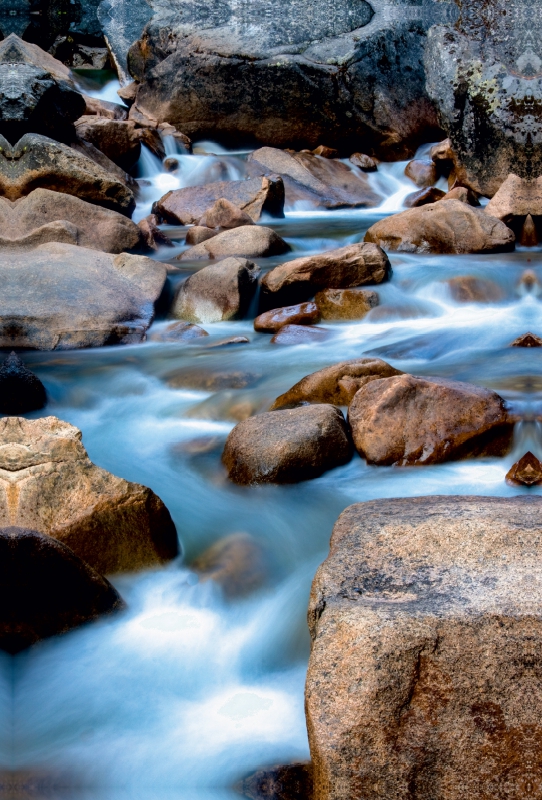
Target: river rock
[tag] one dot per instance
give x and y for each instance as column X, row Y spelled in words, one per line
column 151, row 234
column 424, row 196
column 104, row 108
column 364, row 162
column 406, row 420
column 37, row 93
column 198, row 234
column 527, row 340
column 468, row 289
column 525, row 472
column 236, row 563
column 272, row 321
column 46, row 216
column 300, row 334
column 46, row 589
column 50, row 485
column 118, row 139
column 318, row 181
column 20, row 390
column 420, row 620
column 255, row 197
column 38, row 162
column 516, row 197
column 215, row 381
column 224, row 214
column 422, row 171
column 336, row 384
column 254, row 241
column 345, row 303
column 219, row 292
column 178, row 332
column 448, row 226
column 300, row 279
column 287, row 446
column 59, row 296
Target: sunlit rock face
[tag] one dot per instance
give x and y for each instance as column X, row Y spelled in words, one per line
column 485, row 75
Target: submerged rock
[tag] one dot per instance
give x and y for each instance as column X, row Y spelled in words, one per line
column 420, row 618
column 525, row 472
column 253, row 241
column 273, row 321
column 179, row 332
column 406, row 420
column 50, row 485
column 336, row 384
column 20, row 390
column 345, row 303
column 287, row 446
column 300, row 279
column 468, row 289
column 45, row 589
column 220, row 292
column 300, row 334
column 448, row 226
column 236, row 563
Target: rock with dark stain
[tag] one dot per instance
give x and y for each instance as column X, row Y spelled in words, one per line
column 20, row 390
column 525, row 472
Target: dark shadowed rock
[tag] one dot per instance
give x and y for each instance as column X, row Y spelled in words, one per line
column 224, row 214
column 104, row 108
column 272, row 321
column 325, row 152
column 20, row 390
column 422, row 171
column 299, row 280
column 151, row 234
column 237, row 564
column 50, row 485
column 300, row 334
column 220, row 292
column 45, row 589
column 178, row 332
column 254, row 241
column 527, row 340
column 287, row 446
column 255, row 197
column 336, row 384
column 448, row 226
column 525, row 472
column 420, row 618
column 423, row 197
column 406, row 420
column 345, row 303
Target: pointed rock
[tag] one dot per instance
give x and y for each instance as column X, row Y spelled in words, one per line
column 527, row 340
column 525, row 472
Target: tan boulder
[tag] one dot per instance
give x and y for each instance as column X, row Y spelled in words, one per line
column 300, row 279
column 49, row 484
column 423, row 679
column 220, row 292
column 336, row 384
column 406, row 420
column 224, row 214
column 273, row 321
column 422, row 171
column 104, row 108
column 198, row 234
column 255, row 197
column 287, row 446
column 516, row 197
column 448, row 226
column 254, row 241
column 345, row 303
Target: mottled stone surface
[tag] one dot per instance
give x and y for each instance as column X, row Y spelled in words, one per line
column 219, row 292
column 424, row 675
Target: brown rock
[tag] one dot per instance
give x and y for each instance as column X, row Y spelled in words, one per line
column 345, row 303
column 325, row 152
column 236, row 564
column 422, row 171
column 421, row 618
column 467, row 289
column 179, row 332
column 442, row 151
column 128, row 92
column 255, row 197
column 150, row 137
column 103, row 108
column 336, row 384
column 198, row 234
column 528, row 236
column 365, row 163
column 287, row 446
column 220, row 292
column 253, row 241
column 45, row 589
column 272, row 321
column 116, row 138
column 462, row 194
column 527, row 340
column 50, row 485
column 46, row 216
column 151, row 233
column 448, row 226
column 423, row 197
column 196, row 378
column 171, row 164
column 407, row 420
column 525, row 472
column 224, row 214
column 299, row 280
column 300, row 334
column 323, row 182
column 281, row 782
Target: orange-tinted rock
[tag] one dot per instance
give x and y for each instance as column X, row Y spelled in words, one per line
column 527, row 340
column 345, row 303
column 422, row 171
column 525, row 472
column 301, row 314
column 325, row 152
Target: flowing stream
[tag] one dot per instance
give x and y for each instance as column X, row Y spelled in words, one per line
column 187, row 691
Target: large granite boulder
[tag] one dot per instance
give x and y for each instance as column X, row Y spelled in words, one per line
column 37, row 93
column 406, row 420
column 49, row 484
column 423, row 679
column 448, row 226
column 46, row 216
column 219, row 292
column 62, row 296
column 45, row 589
column 38, row 162
column 300, row 279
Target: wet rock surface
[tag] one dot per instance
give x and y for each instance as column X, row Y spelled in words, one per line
column 287, row 446
column 273, row 321
column 300, row 334
column 419, row 619
column 220, row 292
column 525, row 472
column 345, row 303
column 254, row 241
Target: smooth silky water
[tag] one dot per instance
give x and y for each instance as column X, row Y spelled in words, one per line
column 185, row 692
